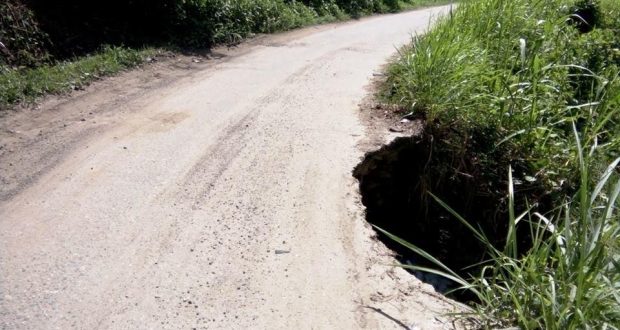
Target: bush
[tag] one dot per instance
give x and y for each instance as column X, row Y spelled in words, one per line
column 42, row 32
column 23, row 42
column 77, row 27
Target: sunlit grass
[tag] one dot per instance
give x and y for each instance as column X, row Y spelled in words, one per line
column 516, row 84
column 18, row 85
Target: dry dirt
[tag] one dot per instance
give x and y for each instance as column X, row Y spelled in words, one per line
column 207, row 194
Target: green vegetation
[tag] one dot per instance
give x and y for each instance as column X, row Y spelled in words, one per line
column 49, row 47
column 533, row 86
column 26, row 84
column 569, row 279
column 514, row 75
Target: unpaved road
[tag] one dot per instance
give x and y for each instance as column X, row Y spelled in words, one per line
column 218, row 197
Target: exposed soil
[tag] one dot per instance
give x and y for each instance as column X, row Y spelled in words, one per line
column 207, row 193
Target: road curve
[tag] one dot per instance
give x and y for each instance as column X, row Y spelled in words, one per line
column 221, row 201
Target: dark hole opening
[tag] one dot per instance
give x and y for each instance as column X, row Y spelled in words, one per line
column 585, row 16
column 394, row 182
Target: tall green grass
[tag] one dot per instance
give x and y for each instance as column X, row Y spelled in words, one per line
column 569, row 279
column 515, row 73
column 533, row 86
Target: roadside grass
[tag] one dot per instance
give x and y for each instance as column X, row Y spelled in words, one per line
column 533, row 86
column 30, row 71
column 515, row 74
column 25, row 84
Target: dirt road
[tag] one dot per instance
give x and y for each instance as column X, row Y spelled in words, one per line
column 218, row 196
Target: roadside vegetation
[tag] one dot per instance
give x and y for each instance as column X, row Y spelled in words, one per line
column 47, row 47
column 25, row 84
column 521, row 104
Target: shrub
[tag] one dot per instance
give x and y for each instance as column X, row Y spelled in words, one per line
column 77, row 27
column 23, row 42
column 41, row 32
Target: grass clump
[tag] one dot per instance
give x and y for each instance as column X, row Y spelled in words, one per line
column 533, row 86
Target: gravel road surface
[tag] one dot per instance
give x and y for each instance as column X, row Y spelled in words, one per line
column 207, row 194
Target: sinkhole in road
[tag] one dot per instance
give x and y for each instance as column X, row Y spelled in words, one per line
column 394, row 182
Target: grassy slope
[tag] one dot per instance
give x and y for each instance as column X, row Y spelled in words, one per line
column 526, row 84
column 238, row 21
